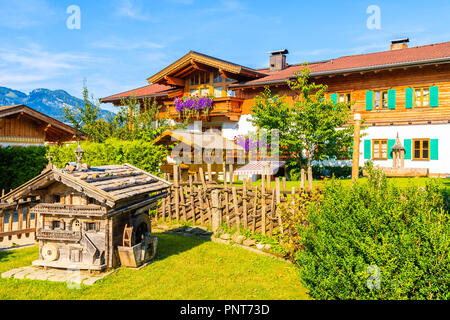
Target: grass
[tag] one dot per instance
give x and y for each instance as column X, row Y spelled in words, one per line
column 184, row 268
column 400, row 182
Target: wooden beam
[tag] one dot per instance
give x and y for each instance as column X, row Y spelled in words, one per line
column 197, row 67
column 174, row 81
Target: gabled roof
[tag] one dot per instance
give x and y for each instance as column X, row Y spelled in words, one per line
column 189, row 63
column 107, row 184
column 201, row 140
column 153, row 90
column 6, row 111
column 429, row 54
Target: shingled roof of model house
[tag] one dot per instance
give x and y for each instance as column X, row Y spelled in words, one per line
column 110, row 184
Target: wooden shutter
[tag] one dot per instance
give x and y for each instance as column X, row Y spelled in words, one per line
column 434, row 96
column 434, row 149
column 369, row 100
column 367, row 149
column 334, row 97
column 409, row 98
column 391, row 143
column 391, row 98
column 407, row 144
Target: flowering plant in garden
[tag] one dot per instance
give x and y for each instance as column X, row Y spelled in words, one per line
column 193, row 105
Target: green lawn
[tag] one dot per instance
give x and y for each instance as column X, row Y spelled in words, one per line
column 400, row 182
column 185, row 268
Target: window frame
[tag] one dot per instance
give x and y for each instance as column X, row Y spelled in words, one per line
column 379, row 141
column 344, row 93
column 421, row 97
column 421, row 158
column 381, row 91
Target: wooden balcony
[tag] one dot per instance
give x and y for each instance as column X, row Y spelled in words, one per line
column 61, row 235
column 229, row 107
column 69, row 210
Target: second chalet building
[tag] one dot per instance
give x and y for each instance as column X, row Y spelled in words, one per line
column 402, row 91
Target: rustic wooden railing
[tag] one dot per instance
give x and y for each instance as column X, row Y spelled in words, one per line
column 255, row 208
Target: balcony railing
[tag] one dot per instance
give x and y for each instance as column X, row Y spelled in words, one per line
column 230, row 107
column 62, row 235
column 69, row 210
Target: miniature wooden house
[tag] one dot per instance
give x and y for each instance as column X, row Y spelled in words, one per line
column 85, row 215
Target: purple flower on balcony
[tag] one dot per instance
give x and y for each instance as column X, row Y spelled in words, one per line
column 193, row 104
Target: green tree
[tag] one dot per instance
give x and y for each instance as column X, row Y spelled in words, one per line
column 86, row 117
column 312, row 128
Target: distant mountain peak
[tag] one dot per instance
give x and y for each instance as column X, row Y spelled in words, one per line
column 49, row 102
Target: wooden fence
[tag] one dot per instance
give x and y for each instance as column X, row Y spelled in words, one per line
column 239, row 206
column 16, row 220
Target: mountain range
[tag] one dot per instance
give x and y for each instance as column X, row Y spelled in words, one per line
column 49, row 102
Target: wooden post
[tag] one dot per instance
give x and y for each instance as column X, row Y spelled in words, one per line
column 216, row 210
column 183, row 203
column 176, row 193
column 210, row 178
column 255, row 210
column 293, row 201
column 302, row 179
column 263, row 208
column 310, row 178
column 236, row 209
column 230, row 167
column 20, row 214
column 278, row 196
column 202, row 205
column 191, row 197
column 163, row 212
column 269, row 186
column 224, row 168
column 202, row 177
column 244, row 203
column 284, row 183
column 356, row 142
column 2, row 224
column 10, row 223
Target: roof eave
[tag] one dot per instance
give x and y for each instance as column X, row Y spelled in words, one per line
column 352, row 70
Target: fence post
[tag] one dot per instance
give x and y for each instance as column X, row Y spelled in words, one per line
column 176, row 194
column 302, row 179
column 310, row 178
column 216, row 210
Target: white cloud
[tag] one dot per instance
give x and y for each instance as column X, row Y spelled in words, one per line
column 120, row 44
column 132, row 9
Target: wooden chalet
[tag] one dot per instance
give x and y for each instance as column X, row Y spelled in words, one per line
column 90, row 218
column 22, row 126
column 404, row 91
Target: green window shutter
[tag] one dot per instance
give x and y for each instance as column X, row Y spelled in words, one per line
column 391, row 98
column 434, row 96
column 367, row 149
column 407, row 144
column 334, row 97
column 391, row 143
column 409, row 98
column 434, row 152
column 369, row 100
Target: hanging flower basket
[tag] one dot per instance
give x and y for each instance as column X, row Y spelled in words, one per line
column 189, row 106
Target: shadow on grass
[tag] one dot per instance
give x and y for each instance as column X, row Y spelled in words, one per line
column 4, row 254
column 172, row 242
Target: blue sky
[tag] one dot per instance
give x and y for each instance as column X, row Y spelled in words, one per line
column 122, row 42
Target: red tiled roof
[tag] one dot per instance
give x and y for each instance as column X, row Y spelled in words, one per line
column 146, row 91
column 369, row 60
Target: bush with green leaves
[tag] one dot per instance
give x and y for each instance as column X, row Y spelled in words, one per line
column 139, row 153
column 376, row 241
column 18, row 165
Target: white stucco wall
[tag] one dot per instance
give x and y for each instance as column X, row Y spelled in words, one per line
column 242, row 127
column 430, row 131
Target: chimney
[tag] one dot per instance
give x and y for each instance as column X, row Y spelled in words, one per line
column 398, row 44
column 278, row 60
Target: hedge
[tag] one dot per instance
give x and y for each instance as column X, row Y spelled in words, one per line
column 18, row 165
column 139, row 153
column 376, row 241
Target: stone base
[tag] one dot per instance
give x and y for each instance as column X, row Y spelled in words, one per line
column 68, row 265
column 54, row 275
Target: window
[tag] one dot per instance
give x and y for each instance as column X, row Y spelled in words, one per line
column 344, row 97
column 421, row 149
column 217, row 77
column 380, row 149
column 57, row 224
column 381, row 99
column 199, row 78
column 422, row 97
column 217, row 92
column 204, row 92
column 91, row 226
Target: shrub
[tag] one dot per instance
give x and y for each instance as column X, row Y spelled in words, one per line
column 353, row 233
column 141, row 154
column 18, row 165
